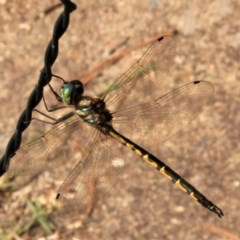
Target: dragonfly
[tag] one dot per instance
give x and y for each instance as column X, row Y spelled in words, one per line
column 130, row 115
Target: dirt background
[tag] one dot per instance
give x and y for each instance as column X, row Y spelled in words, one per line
column 146, row 205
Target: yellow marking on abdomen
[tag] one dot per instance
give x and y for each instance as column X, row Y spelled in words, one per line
column 162, row 170
column 192, row 195
column 139, row 153
column 146, row 159
column 119, row 139
column 179, row 185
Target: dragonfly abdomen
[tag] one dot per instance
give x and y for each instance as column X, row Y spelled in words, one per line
column 167, row 172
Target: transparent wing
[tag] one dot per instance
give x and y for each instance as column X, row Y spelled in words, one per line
column 39, row 154
column 152, row 122
column 96, row 173
column 144, row 78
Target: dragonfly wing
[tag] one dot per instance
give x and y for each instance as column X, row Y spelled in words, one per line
column 145, row 76
column 35, row 156
column 96, row 173
column 163, row 117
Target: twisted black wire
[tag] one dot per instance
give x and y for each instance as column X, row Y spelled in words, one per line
column 51, row 54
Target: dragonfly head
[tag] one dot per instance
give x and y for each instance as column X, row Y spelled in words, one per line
column 71, row 92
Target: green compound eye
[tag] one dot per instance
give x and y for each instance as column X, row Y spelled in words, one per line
column 66, row 92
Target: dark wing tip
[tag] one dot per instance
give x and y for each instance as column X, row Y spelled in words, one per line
column 58, row 196
column 196, row 82
column 161, row 38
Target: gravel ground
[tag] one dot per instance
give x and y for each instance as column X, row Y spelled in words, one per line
column 144, row 205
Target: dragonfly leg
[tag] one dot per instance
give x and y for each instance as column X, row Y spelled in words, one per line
column 55, row 121
column 57, row 97
column 53, row 91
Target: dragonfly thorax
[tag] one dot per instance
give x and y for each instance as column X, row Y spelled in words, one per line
column 94, row 112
